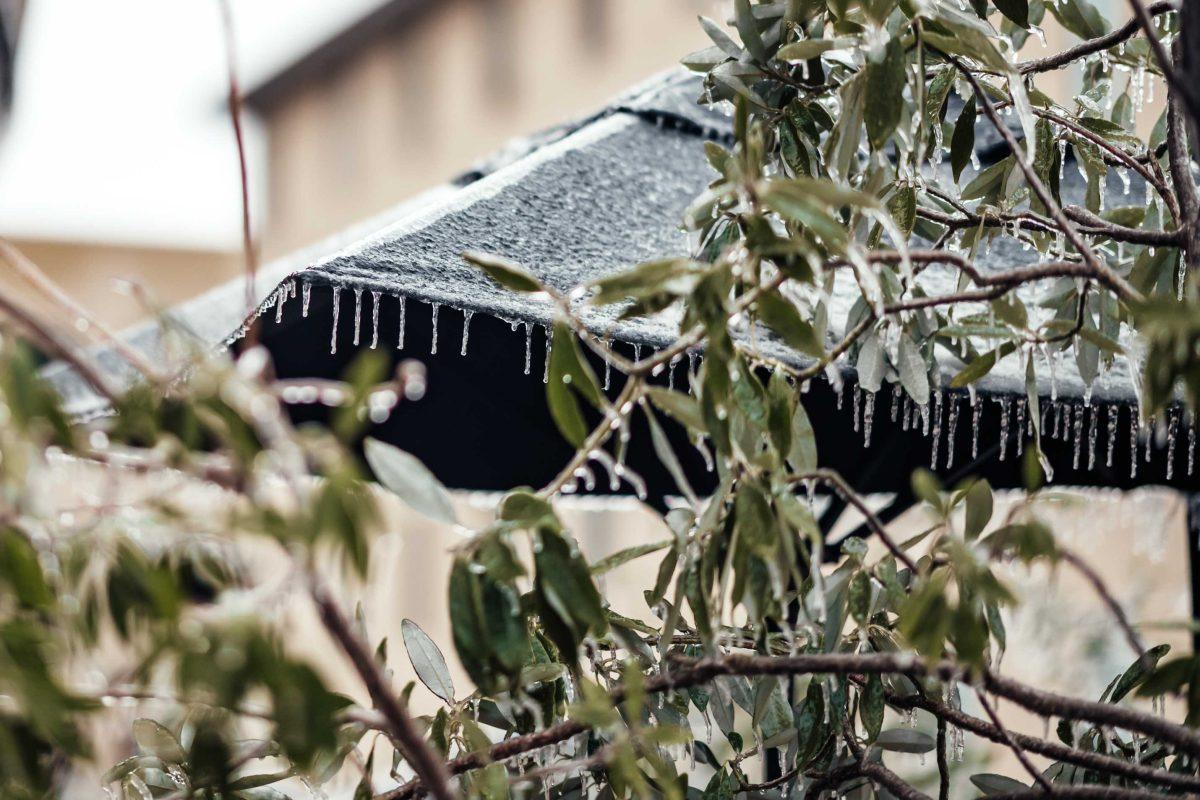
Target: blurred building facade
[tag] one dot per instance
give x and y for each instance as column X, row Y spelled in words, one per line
column 405, row 98
column 419, row 90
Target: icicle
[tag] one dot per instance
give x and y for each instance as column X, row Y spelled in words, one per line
column 1062, row 157
column 976, row 413
column 924, row 409
column 1123, row 174
column 637, row 352
column 1191, row 446
column 1020, row 427
column 857, row 406
column 337, row 308
column 306, row 296
column 896, row 403
column 905, row 412
column 434, row 307
column 1172, row 433
column 1144, row 435
column 529, row 347
column 841, row 394
column 280, row 297
column 1112, row 432
column 357, row 314
column 675, row 359
column 868, row 418
column 937, row 428
column 1078, row 436
column 546, row 365
column 1066, row 422
column 403, row 312
column 374, row 319
column 1093, row 412
column 1005, row 404
column 1133, row 444
column 466, row 331
column 950, row 434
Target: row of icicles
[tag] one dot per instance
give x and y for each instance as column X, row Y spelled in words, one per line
column 1081, row 422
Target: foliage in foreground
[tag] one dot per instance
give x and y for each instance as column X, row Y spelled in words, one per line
column 842, row 116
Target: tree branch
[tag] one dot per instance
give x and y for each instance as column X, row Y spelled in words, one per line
column 428, row 766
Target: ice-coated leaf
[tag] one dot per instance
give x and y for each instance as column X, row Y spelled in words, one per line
column 507, row 273
column 427, row 660
column 905, row 740
column 871, row 365
column 990, row 783
column 885, row 93
column 410, row 480
column 155, row 740
column 914, row 376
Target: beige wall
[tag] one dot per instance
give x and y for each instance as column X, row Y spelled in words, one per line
column 420, row 106
column 92, row 273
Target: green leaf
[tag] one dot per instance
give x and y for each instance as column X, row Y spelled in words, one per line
column 808, row 49
column 624, row 556
column 871, row 707
column 782, row 317
column 683, row 408
column 981, row 365
column 903, row 208
column 748, row 29
column 979, row 508
column 803, row 455
column 427, row 660
column 407, row 478
column 1016, row 10
column 885, row 94
column 962, row 141
column 720, row 38
column 507, row 273
column 905, row 740
column 1133, row 676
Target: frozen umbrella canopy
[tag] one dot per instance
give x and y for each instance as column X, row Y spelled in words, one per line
column 588, row 200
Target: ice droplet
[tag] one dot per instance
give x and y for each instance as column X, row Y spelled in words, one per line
column 1005, row 407
column 1133, row 444
column 434, row 308
column 1112, row 433
column 1191, row 446
column 868, row 418
column 1172, row 433
column 1078, row 437
column 528, row 346
column 466, row 331
column 950, row 434
column 1093, row 412
column 306, row 296
column 357, row 314
column 337, row 309
column 403, row 313
column 1020, row 427
column 938, row 409
column 375, row 319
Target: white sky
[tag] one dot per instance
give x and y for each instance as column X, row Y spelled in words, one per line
column 119, row 132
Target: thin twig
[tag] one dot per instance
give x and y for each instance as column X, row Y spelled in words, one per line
column 1016, row 749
